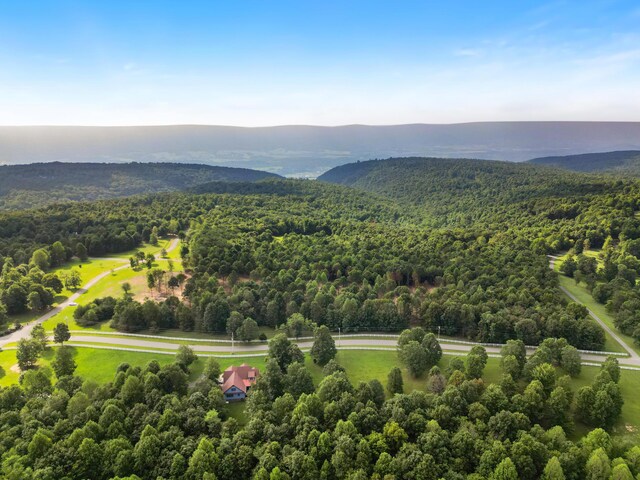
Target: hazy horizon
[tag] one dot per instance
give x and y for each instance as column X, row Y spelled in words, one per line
column 310, row 150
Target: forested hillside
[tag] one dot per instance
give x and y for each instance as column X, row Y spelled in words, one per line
column 26, row 186
column 462, row 192
column 622, row 162
column 450, row 247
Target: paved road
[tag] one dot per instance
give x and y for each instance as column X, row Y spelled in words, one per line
column 243, row 347
column 25, row 331
column 634, row 358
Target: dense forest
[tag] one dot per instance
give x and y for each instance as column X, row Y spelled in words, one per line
column 626, row 162
column 455, row 245
column 451, row 246
column 37, row 184
column 151, row 423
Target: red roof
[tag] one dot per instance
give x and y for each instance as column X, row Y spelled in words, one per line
column 240, row 377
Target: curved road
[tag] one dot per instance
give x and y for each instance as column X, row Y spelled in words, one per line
column 25, row 331
column 634, row 358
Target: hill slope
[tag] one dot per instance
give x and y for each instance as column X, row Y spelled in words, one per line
column 462, row 191
column 301, row 150
column 24, row 186
column 625, row 161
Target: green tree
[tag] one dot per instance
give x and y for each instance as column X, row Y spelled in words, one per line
column 546, row 375
column 126, row 288
column 39, row 445
column 3, row 316
column 173, row 283
column 298, row 380
column 414, row 357
column 81, row 252
column 570, row 360
column 505, row 470
column 185, row 356
column 553, row 470
column 73, row 280
column 36, row 383
column 203, row 461
column 63, row 364
column 153, row 238
column 52, row 282
column 40, row 258
column 34, row 301
column 432, row 349
column 475, row 362
column 515, row 348
column 132, row 391
column 39, row 335
column 598, row 466
column 395, row 383
column 612, row 367
column 61, row 333
column 58, row 254
column 621, row 472
column 284, row 352
column 296, row 325
column 324, row 346
column 27, row 353
column 569, row 266
column 249, row 330
column 234, row 322
column 211, row 369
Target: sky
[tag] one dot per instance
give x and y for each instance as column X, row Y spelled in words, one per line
column 323, row 62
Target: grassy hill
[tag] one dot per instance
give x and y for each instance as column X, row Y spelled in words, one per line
column 624, row 161
column 25, row 186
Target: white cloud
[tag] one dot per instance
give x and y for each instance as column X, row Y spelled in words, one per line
column 467, row 52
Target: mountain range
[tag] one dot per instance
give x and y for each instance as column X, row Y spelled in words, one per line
column 308, row 151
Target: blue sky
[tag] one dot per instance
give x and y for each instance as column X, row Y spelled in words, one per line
column 317, row 62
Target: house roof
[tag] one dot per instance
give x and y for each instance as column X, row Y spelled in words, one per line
column 239, row 377
column 234, row 380
column 244, row 370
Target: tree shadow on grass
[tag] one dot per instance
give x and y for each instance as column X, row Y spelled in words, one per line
column 2, row 373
